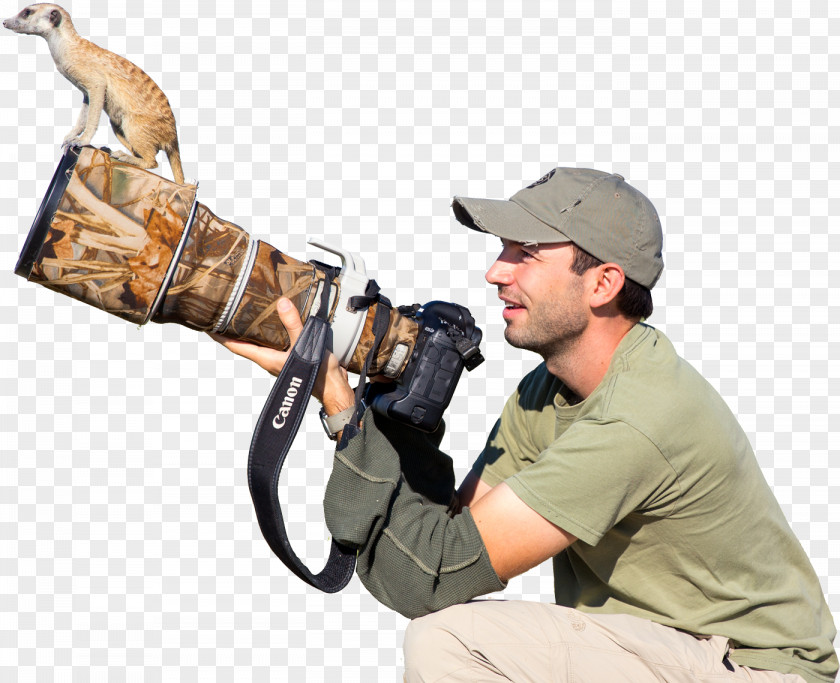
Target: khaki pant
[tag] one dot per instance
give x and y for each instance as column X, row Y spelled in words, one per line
column 492, row 640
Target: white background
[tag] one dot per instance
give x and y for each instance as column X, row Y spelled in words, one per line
column 128, row 544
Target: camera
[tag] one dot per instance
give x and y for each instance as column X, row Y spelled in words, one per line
column 141, row 247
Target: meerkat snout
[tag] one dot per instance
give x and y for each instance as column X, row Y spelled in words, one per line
column 139, row 112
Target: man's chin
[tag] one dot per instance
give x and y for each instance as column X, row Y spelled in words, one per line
column 514, row 339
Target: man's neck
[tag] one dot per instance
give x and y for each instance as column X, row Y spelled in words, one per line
column 582, row 366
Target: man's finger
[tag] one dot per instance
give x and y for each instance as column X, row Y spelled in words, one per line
column 290, row 318
column 268, row 359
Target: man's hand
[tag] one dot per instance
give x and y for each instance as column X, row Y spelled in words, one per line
column 331, row 386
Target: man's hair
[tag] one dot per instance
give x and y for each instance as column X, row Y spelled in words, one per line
column 634, row 301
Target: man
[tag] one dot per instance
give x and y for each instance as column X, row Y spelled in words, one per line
column 614, row 458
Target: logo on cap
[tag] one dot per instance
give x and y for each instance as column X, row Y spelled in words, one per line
column 542, row 180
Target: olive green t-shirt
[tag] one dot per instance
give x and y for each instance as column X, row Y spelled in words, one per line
column 675, row 520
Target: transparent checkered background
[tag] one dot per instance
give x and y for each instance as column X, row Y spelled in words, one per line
column 128, row 545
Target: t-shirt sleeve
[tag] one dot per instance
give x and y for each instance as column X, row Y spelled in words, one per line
column 593, row 476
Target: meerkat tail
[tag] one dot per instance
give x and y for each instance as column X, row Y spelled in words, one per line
column 173, row 154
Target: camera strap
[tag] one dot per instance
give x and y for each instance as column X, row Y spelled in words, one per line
column 278, row 425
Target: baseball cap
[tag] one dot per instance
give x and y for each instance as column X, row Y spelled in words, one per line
column 600, row 212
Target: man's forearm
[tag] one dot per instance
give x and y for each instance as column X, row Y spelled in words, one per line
column 390, row 495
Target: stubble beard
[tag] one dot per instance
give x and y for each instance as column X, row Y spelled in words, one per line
column 551, row 330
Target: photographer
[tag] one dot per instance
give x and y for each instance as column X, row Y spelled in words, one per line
column 614, row 458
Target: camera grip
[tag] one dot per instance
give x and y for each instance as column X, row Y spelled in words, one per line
column 448, row 342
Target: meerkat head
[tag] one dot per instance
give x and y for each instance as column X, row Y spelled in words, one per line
column 40, row 19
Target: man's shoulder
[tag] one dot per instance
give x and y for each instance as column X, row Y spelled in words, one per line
column 665, row 398
column 646, row 366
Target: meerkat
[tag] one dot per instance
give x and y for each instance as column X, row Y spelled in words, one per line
column 139, row 112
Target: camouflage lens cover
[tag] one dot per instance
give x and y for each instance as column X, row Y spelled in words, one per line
column 113, row 235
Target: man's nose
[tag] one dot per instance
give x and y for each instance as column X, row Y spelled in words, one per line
column 500, row 273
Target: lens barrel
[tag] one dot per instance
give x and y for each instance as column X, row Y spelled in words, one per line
column 141, row 247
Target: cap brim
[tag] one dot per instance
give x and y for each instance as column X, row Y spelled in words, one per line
column 504, row 219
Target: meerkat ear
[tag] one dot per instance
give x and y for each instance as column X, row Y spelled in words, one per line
column 55, row 18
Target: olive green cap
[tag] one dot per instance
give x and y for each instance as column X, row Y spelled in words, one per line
column 600, row 212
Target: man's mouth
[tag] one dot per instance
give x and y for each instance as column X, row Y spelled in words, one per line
column 511, row 309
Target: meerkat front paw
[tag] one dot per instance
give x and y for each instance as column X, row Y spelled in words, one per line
column 70, row 141
column 82, row 140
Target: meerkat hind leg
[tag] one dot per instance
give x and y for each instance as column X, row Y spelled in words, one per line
column 140, row 162
column 142, row 155
column 121, row 137
column 142, row 158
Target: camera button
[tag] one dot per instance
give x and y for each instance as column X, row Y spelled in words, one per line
column 418, row 414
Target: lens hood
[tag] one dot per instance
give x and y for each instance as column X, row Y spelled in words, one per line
column 41, row 224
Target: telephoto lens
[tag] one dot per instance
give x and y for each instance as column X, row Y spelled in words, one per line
column 141, row 247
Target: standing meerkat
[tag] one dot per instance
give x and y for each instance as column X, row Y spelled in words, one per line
column 139, row 111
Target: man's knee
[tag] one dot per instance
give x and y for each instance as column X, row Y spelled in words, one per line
column 424, row 635
column 432, row 641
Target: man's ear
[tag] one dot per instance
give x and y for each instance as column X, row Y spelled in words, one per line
column 608, row 283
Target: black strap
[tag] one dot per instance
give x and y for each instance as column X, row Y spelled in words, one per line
column 370, row 297
column 276, row 429
column 278, row 425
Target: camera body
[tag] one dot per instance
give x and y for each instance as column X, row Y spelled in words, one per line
column 447, row 342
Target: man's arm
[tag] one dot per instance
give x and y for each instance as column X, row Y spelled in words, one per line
column 516, row 537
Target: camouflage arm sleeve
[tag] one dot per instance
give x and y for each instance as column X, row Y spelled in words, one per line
column 389, row 495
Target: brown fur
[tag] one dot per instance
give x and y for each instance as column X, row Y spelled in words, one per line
column 139, row 112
